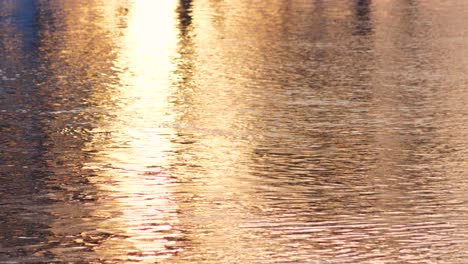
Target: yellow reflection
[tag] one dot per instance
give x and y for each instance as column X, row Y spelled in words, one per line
column 138, row 145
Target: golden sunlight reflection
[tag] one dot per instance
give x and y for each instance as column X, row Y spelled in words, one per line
column 134, row 158
column 211, row 131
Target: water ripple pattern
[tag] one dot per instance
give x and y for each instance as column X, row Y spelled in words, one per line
column 243, row 131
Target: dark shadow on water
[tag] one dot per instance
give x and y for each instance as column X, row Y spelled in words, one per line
column 22, row 164
column 363, row 12
column 45, row 192
column 184, row 11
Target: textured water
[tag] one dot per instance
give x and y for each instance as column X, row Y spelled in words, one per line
column 239, row 131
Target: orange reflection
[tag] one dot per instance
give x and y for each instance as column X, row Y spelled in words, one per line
column 134, row 178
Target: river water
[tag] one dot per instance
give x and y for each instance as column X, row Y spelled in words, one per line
column 240, row 131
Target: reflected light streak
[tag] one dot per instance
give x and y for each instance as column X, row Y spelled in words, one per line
column 137, row 151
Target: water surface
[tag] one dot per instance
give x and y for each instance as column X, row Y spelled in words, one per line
column 240, row 131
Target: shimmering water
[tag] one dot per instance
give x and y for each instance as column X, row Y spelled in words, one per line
column 239, row 131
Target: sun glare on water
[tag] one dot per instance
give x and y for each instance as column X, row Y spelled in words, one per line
column 137, row 182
